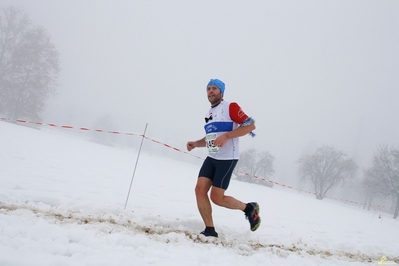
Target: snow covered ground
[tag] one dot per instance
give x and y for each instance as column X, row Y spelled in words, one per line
column 62, row 203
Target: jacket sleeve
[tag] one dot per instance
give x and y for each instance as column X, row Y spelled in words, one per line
column 237, row 114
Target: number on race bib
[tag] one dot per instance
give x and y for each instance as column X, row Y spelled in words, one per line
column 210, row 138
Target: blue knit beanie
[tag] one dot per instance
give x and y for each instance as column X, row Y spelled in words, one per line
column 218, row 83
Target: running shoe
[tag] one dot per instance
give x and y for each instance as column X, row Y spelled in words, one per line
column 206, row 233
column 253, row 215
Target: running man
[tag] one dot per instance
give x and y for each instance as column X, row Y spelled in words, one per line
column 224, row 124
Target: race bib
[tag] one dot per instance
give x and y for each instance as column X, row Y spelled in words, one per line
column 209, row 139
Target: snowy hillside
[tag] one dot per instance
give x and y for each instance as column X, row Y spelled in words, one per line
column 62, row 203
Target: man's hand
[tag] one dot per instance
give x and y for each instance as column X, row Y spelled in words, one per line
column 190, row 145
column 196, row 144
column 220, row 141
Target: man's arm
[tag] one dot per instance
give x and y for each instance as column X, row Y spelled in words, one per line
column 238, row 132
column 196, row 144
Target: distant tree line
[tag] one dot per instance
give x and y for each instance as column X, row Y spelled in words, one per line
column 29, row 66
column 327, row 168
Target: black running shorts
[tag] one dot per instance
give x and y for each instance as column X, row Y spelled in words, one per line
column 219, row 171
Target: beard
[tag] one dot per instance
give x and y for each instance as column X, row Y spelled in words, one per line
column 215, row 99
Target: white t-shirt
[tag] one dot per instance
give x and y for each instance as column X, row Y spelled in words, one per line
column 223, row 118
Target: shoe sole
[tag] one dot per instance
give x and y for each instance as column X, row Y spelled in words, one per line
column 256, row 225
column 259, row 220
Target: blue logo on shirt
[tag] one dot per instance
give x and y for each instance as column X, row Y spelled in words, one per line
column 218, row 127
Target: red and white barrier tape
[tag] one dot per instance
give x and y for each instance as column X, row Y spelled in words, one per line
column 179, row 150
column 171, row 147
column 21, row 121
column 315, row 194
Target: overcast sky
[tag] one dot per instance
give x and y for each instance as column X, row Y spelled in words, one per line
column 310, row 73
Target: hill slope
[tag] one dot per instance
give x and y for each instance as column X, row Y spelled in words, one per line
column 62, row 203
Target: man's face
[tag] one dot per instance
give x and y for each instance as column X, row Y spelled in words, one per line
column 214, row 94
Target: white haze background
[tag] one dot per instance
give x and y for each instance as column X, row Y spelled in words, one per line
column 62, row 203
column 310, row 72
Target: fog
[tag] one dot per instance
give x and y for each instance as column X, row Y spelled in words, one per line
column 310, row 73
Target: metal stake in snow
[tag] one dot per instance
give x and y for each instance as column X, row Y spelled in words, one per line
column 135, row 167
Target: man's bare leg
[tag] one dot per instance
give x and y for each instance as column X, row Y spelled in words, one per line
column 251, row 209
column 218, row 197
column 203, row 202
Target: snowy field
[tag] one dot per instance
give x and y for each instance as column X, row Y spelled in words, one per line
column 62, row 203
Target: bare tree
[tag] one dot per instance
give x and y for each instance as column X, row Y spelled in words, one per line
column 253, row 163
column 369, row 188
column 385, row 171
column 29, row 66
column 325, row 169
